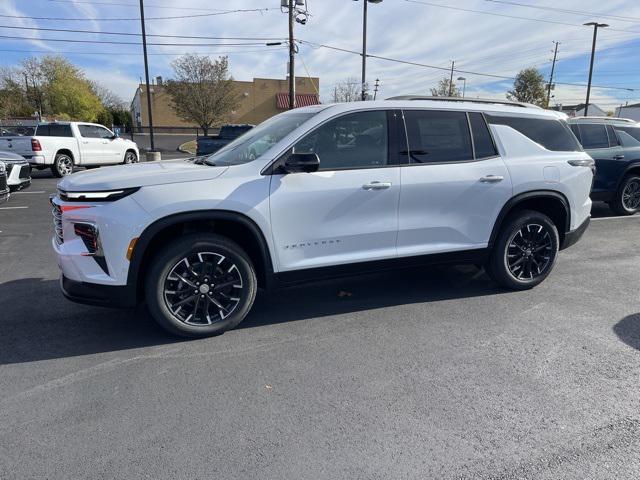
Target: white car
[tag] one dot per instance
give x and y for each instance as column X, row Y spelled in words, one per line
column 18, row 170
column 4, row 188
column 62, row 146
column 342, row 189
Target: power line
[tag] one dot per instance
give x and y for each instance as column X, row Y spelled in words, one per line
column 262, row 50
column 564, row 10
column 86, row 19
column 113, row 42
column 448, row 69
column 98, row 32
column 135, row 5
column 504, row 15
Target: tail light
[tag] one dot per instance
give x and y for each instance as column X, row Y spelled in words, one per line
column 35, row 145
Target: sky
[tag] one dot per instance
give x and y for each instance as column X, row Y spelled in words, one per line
column 497, row 38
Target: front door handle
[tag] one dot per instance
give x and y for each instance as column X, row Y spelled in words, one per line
column 619, row 157
column 492, row 178
column 376, row 185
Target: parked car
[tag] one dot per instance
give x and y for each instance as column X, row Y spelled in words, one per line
column 615, row 145
column 18, row 170
column 341, row 189
column 212, row 143
column 62, row 146
column 4, row 188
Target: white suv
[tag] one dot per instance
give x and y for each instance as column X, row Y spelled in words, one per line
column 336, row 189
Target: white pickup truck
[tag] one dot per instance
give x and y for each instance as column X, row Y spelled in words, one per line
column 63, row 145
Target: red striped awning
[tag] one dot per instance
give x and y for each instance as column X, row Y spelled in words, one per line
column 302, row 100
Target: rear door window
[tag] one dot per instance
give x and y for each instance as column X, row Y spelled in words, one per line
column 89, row 131
column 438, row 136
column 482, row 141
column 550, row 133
column 593, row 136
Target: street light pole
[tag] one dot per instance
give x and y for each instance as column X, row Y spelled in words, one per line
column 146, row 75
column 595, row 25
column 464, row 85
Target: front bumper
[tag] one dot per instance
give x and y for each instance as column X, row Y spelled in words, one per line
column 18, row 176
column 4, row 195
column 95, row 294
column 572, row 237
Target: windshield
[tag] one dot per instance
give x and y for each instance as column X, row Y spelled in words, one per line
column 258, row 140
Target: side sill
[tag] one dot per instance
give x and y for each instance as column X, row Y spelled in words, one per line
column 298, row 277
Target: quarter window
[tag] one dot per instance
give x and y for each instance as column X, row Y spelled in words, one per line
column 594, row 135
column 551, row 134
column 356, row 140
column 482, row 140
column 436, row 136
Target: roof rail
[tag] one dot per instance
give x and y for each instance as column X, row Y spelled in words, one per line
column 460, row 99
column 605, row 119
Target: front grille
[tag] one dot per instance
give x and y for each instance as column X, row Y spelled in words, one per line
column 3, row 182
column 25, row 172
column 57, row 223
column 9, row 168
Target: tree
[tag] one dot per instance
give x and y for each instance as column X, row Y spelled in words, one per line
column 348, row 90
column 202, row 90
column 13, row 100
column 66, row 90
column 442, row 90
column 529, row 87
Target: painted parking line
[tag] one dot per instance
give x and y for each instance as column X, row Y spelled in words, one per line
column 11, row 208
column 25, row 193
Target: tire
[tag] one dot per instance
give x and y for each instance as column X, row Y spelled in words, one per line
column 627, row 199
column 173, row 289
column 130, row 157
column 62, row 165
column 525, row 251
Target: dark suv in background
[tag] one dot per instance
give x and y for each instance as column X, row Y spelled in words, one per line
column 614, row 143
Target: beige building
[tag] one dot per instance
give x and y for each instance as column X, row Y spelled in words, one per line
column 260, row 99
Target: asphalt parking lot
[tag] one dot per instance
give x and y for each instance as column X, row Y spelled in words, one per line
column 426, row 373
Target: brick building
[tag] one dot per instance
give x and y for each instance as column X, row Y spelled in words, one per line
column 260, row 99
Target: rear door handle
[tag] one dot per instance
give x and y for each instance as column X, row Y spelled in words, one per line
column 376, row 185
column 492, row 178
column 619, row 157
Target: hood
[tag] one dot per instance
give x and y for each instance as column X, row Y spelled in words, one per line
column 139, row 175
column 10, row 157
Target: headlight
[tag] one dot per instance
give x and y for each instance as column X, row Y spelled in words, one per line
column 2, row 167
column 97, row 196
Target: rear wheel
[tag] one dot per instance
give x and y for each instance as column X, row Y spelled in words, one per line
column 62, row 165
column 201, row 285
column 525, row 251
column 627, row 199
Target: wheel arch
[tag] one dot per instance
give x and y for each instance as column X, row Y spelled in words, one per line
column 553, row 204
column 633, row 167
column 65, row 151
column 233, row 225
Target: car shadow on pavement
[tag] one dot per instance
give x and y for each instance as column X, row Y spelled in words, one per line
column 38, row 323
column 628, row 330
column 370, row 292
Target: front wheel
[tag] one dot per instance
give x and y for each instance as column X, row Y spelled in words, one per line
column 130, row 157
column 62, row 165
column 200, row 285
column 627, row 199
column 525, row 251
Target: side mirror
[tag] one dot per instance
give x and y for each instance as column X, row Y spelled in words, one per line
column 302, row 163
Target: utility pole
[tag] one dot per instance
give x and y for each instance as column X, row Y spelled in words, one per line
column 146, row 75
column 595, row 25
column 375, row 89
column 451, row 78
column 292, row 53
column 553, row 69
column 364, row 50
